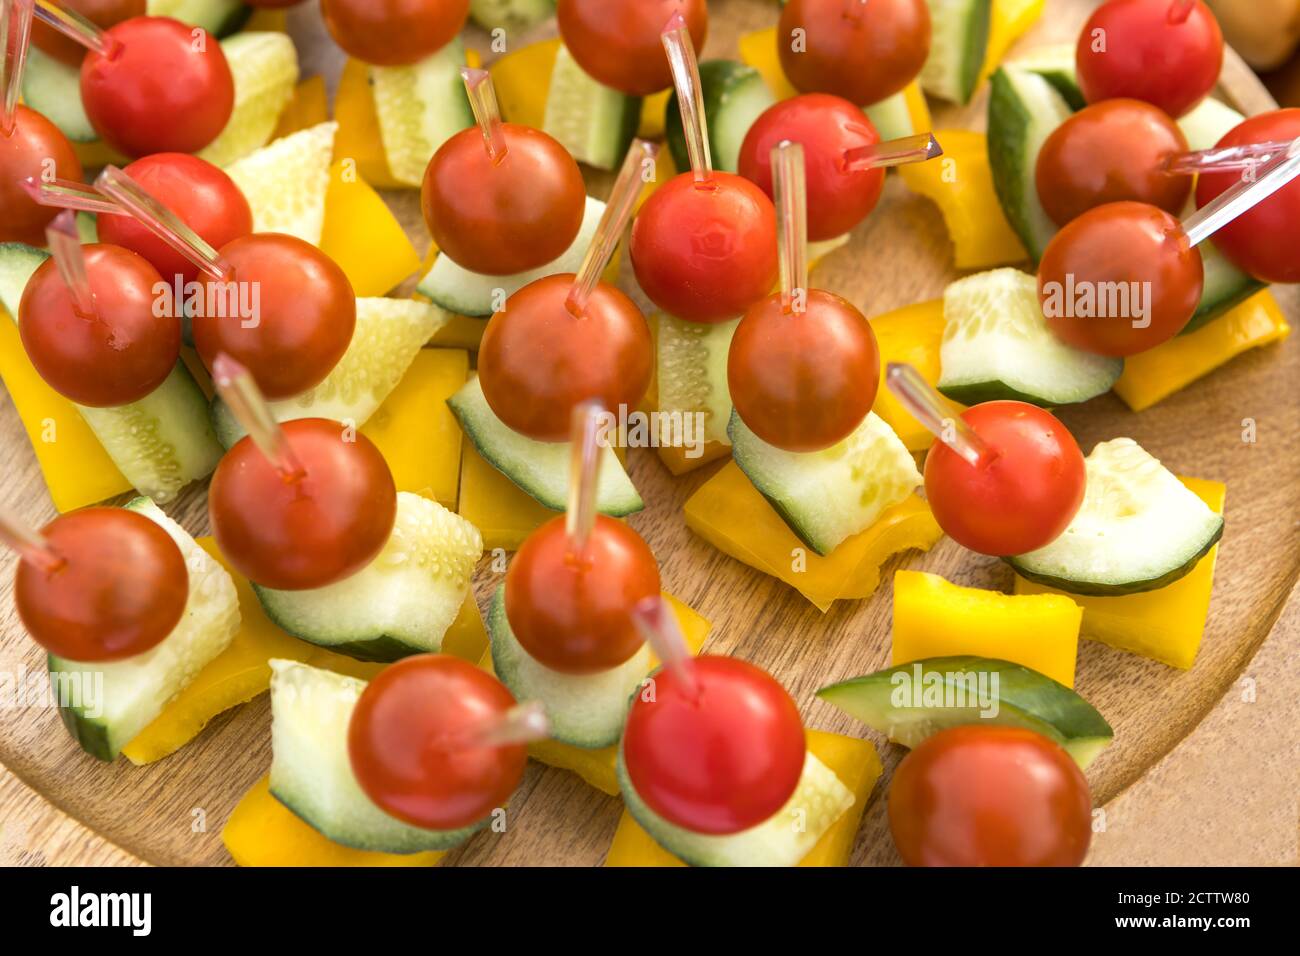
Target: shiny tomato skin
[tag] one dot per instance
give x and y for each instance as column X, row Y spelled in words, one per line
column 160, row 92
column 199, row 193
column 102, row 13
column 1111, row 151
column 296, row 534
column 121, row 589
column 307, row 313
column 1263, row 241
column 537, row 360
column 1124, row 242
column 618, row 41
column 401, row 742
column 719, row 762
column 705, row 252
column 803, row 381
column 864, row 54
column 1142, row 49
column 572, row 611
column 393, row 32
column 990, row 796
column 1022, row 499
column 27, row 153
column 827, row 126
column 116, row 356
column 504, row 217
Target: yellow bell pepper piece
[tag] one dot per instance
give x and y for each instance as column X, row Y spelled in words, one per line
column 1154, row 375
column 936, row 618
column 459, row 331
column 522, row 79
column 1166, row 624
column 358, row 137
column 854, row 761
column 309, row 107
column 363, row 236
column 913, row 335
column 1008, row 21
column 502, row 512
column 267, row 21
column 96, row 154
column 733, row 516
column 654, row 110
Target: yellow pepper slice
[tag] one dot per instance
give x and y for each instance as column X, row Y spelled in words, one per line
column 358, row 137
column 267, row 21
column 363, row 236
column 1008, row 21
column 459, row 332
column 913, row 335
column 503, row 513
column 1154, row 375
column 309, row 107
column 522, row 79
column 1166, row 624
column 854, row 761
column 936, row 618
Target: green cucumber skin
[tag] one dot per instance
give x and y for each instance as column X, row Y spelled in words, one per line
column 977, row 44
column 90, row 735
column 384, row 649
column 726, row 85
column 994, row 391
column 436, row 843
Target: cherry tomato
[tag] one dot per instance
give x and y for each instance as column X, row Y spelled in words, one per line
column 618, row 41
column 26, row 153
column 537, row 360
column 803, row 381
column 572, row 611
column 114, row 356
column 162, row 90
column 102, row 13
column 406, row 741
column 990, row 796
column 1166, row 52
column 720, row 758
column 121, row 588
column 508, row 216
column 310, row 531
column 1024, row 497
column 1264, row 240
column 1111, row 151
column 864, row 51
column 305, row 313
column 1120, row 279
column 705, row 252
column 393, row 32
column 199, row 193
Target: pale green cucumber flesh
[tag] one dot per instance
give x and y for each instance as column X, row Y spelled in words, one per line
column 691, row 372
column 510, row 15
column 219, row 17
column 891, row 117
column 959, row 37
column 592, row 121
column 420, row 107
column 53, row 88
column 735, row 95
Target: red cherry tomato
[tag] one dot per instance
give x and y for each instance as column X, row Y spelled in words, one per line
column 508, row 216
column 803, row 381
column 838, row 198
column 199, row 193
column 166, row 89
column 306, row 313
column 718, row 760
column 1134, row 264
column 572, row 612
column 393, row 32
column 618, row 41
column 1111, row 151
column 863, row 52
column 102, row 13
column 25, row 154
column 114, row 356
column 1024, row 497
column 307, row 532
column 1166, row 52
column 406, row 741
column 705, row 252
column 990, row 796
column 537, row 360
column 121, row 588
column 1264, row 240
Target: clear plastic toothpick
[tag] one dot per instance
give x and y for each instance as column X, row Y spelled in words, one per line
column 237, row 388
column 77, row 28
column 15, row 40
column 690, row 94
column 1225, row 159
column 933, row 411
column 70, row 260
column 658, row 625
column 69, row 194
column 894, row 152
column 521, row 724
column 1244, row 195
column 584, row 475
column 30, row 545
column 483, row 100
column 791, row 187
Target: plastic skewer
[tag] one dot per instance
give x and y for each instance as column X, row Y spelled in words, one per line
column 521, row 724
column 1244, row 195
column 690, row 94
column 790, row 184
column 483, row 101
column 30, row 544
column 69, row 194
column 933, row 411
column 584, row 472
column 658, row 625
column 70, row 260
column 15, row 40
column 77, row 28
column 235, row 384
column 1227, row 159
column 894, row 152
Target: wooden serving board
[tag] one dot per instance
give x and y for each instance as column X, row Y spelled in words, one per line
column 1226, row 794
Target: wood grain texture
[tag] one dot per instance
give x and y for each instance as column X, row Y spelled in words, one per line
column 1230, row 785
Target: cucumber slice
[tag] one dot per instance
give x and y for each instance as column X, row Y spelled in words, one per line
column 996, row 344
column 87, row 227
column 402, row 602
column 285, row 182
column 265, row 67
column 17, row 263
column 910, row 702
column 311, row 771
column 53, row 88
column 456, row 289
column 826, row 496
column 592, row 121
column 817, row 802
column 420, row 107
column 1208, row 123
column 734, row 96
column 105, row 705
column 219, row 17
column 539, row 468
column 510, row 15
column 959, row 39
column 388, row 337
column 691, row 369
column 1139, row 528
column 891, row 117
column 1055, row 64
column 586, row 710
